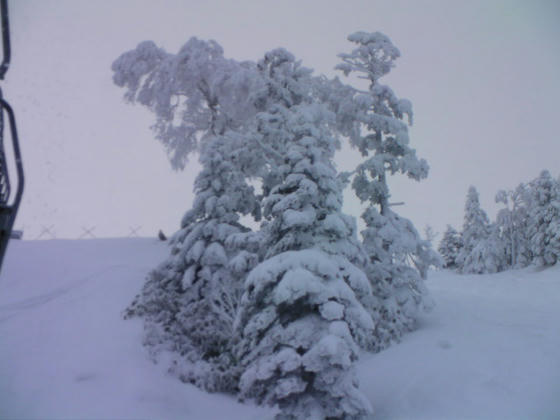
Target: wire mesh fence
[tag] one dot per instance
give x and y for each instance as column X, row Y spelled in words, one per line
column 50, row 231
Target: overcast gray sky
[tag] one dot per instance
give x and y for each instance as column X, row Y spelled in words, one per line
column 482, row 77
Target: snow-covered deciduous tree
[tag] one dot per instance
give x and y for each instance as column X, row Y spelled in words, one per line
column 373, row 121
column 194, row 93
column 544, row 220
column 475, row 231
column 512, row 221
column 449, row 247
column 301, row 319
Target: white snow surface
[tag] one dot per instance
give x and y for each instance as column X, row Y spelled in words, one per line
column 489, row 350
column 67, row 353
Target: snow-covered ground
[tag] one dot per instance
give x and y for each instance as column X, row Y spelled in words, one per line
column 489, row 350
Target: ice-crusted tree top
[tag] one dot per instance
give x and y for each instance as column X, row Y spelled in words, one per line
column 287, row 85
column 545, row 199
column 517, row 197
column 544, row 189
column 373, row 58
column 473, row 212
column 375, row 55
column 374, row 120
column 193, row 93
column 512, row 217
column 287, row 82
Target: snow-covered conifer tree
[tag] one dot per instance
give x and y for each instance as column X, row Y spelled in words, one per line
column 544, row 220
column 475, row 231
column 449, row 247
column 202, row 102
column 189, row 303
column 301, row 317
column 373, row 121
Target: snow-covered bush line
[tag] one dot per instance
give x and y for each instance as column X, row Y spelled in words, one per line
column 526, row 231
column 279, row 314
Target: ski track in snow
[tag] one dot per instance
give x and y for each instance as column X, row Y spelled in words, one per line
column 13, row 308
column 489, row 350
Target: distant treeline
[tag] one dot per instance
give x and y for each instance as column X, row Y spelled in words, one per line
column 526, row 231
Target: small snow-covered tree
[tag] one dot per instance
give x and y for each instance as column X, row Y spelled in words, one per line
column 398, row 264
column 496, row 250
column 373, row 121
column 488, row 254
column 475, row 231
column 189, row 303
column 544, row 220
column 449, row 247
column 301, row 318
column 512, row 221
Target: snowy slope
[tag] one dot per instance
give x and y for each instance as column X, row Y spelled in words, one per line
column 66, row 352
column 489, row 350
